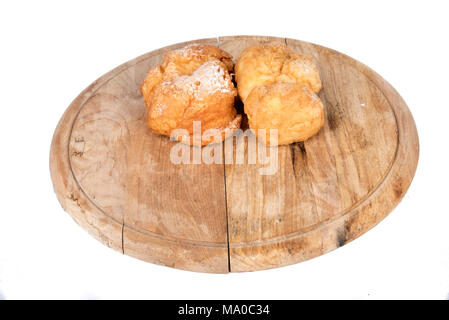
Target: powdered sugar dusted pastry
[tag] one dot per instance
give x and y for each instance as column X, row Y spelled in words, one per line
column 192, row 84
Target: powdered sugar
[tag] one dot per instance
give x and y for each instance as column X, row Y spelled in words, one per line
column 209, row 78
column 159, row 108
column 188, row 51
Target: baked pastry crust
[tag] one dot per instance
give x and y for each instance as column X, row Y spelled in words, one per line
column 277, row 87
column 293, row 109
column 192, row 84
column 273, row 62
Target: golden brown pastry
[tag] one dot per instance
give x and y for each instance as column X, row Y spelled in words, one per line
column 293, row 109
column 192, row 84
column 277, row 87
column 273, row 62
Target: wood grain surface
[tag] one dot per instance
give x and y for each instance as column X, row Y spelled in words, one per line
column 115, row 177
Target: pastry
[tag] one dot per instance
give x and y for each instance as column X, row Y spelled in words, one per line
column 293, row 109
column 278, row 88
column 192, row 84
column 273, row 62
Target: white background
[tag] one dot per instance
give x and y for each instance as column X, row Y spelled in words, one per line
column 50, row 51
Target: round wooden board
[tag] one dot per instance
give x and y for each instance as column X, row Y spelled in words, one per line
column 116, row 180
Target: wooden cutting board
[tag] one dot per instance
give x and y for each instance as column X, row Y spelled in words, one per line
column 115, row 177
